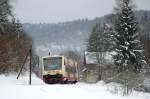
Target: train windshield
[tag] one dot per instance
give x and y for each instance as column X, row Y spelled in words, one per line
column 52, row 63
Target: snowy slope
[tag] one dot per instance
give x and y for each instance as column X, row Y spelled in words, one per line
column 10, row 88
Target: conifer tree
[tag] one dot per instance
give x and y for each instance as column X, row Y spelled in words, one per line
column 5, row 12
column 128, row 48
column 108, row 37
column 95, row 40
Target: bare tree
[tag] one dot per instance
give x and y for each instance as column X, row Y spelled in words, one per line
column 73, row 62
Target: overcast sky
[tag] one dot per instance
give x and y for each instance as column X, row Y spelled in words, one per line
column 53, row 11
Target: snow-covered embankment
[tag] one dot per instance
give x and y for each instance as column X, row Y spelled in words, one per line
column 11, row 88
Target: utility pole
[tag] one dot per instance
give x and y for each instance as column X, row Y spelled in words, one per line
column 28, row 54
column 30, row 65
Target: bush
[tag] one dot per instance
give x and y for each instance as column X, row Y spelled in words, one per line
column 129, row 79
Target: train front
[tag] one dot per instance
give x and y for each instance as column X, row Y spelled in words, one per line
column 54, row 70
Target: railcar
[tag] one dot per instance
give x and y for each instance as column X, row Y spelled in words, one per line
column 54, row 70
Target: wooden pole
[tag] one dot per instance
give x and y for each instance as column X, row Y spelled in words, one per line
column 30, row 64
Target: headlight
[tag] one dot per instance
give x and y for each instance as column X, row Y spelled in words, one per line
column 45, row 72
column 58, row 71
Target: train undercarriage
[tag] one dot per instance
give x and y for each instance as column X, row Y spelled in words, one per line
column 58, row 78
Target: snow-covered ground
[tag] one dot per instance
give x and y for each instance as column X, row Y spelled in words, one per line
column 11, row 88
